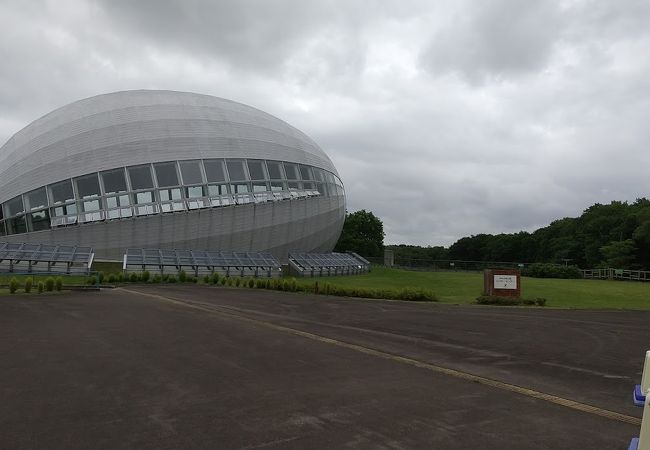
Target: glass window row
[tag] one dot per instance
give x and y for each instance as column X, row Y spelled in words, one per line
column 163, row 187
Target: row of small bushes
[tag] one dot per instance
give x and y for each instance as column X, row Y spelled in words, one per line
column 546, row 270
column 278, row 284
column 49, row 285
column 144, row 277
column 292, row 285
column 510, row 301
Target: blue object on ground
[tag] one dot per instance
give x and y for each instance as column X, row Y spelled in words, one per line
column 634, row 444
column 639, row 398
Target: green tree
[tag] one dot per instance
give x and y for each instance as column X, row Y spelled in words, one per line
column 362, row 233
column 619, row 254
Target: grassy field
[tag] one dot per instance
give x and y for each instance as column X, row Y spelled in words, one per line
column 463, row 287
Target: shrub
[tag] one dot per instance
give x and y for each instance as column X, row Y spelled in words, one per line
column 111, row 278
column 316, row 288
column 194, row 280
column 165, row 278
column 41, row 286
column 101, row 277
column 49, row 284
column 259, row 284
column 546, row 270
column 157, row 278
column 251, row 283
column 145, row 276
column 293, row 285
column 182, row 276
column 120, row 277
column 206, row 279
column 91, row 280
column 285, row 285
column 13, row 285
column 237, row 281
column 223, row 281
column 58, row 283
column 416, row 295
column 133, row 277
column 215, row 278
column 509, row 301
column 171, row 279
column 28, row 285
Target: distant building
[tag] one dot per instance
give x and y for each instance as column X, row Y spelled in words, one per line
column 164, row 169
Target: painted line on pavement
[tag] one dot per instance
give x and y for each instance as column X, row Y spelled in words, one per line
column 531, row 393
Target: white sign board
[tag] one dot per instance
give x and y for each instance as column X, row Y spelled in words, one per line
column 505, row 282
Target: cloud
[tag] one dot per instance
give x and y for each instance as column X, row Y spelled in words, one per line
column 495, row 39
column 445, row 119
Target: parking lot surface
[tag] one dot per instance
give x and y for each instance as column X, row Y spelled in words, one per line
column 195, row 367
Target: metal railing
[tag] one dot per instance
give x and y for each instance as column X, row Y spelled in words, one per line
column 616, row 274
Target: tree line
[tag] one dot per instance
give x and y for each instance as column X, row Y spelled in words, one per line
column 605, row 235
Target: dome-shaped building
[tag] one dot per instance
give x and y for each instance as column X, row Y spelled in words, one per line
column 164, row 169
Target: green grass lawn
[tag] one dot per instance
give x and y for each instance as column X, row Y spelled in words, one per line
column 464, row 287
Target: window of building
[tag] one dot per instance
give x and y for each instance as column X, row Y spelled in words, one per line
column 194, row 192
column 166, row 174
column 256, row 169
column 167, row 195
column 239, row 188
column 16, row 225
column 61, row 192
column 305, row 172
column 39, row 220
column 292, row 171
column 14, row 206
column 140, row 177
column 259, row 187
column 236, row 170
column 36, row 199
column 88, row 186
column 91, row 205
column 65, row 210
column 218, row 189
column 118, row 201
column 318, row 174
column 214, row 170
column 144, row 197
column 278, row 186
column 114, row 181
column 275, row 170
column 191, row 172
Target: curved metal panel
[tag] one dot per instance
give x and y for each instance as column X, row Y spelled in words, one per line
column 132, row 127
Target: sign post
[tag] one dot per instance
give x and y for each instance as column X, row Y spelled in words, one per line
column 502, row 282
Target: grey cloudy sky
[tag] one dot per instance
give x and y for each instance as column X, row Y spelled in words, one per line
column 444, row 118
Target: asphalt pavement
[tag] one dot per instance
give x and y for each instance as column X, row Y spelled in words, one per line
column 200, row 367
